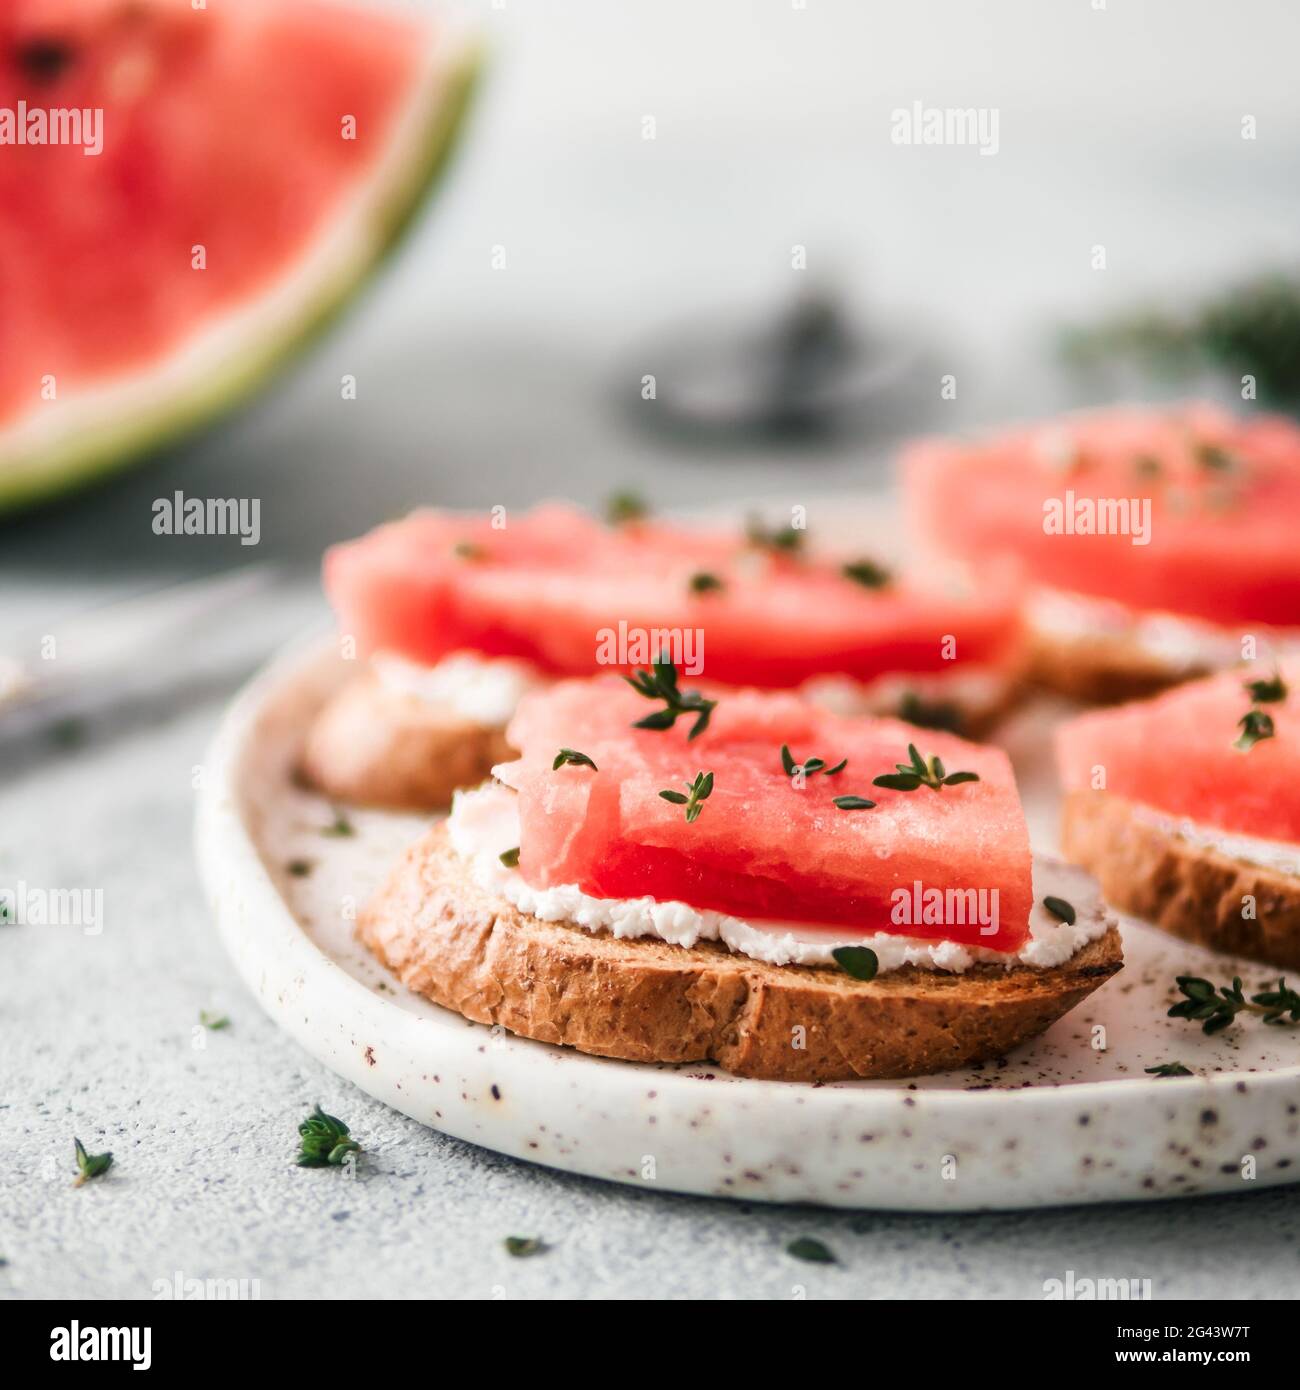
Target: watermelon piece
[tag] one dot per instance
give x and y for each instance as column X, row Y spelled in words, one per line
column 1176, row 754
column 1224, row 496
column 223, row 128
column 762, row 848
column 557, row 587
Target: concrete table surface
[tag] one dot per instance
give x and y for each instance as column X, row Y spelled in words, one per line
column 479, row 386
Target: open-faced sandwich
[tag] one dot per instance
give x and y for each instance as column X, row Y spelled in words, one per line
column 455, row 616
column 673, row 875
column 1152, row 540
column 1187, row 809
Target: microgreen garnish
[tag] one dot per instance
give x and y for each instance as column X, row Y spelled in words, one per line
column 853, row 803
column 571, row 755
column 1215, row 1011
column 921, row 772
column 341, row 827
column 325, row 1141
column 214, row 1023
column 1255, row 726
column 784, row 538
column 468, row 550
column 660, row 683
column 90, row 1165
column 1058, row 907
column 1168, row 1069
column 510, row 857
column 623, row 507
column 522, row 1246
column 705, row 583
column 1267, row 692
column 859, row 961
column 1213, row 456
column 867, row 573
column 814, row 1251
column 699, row 790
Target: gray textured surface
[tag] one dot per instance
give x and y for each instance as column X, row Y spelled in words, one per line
column 479, row 387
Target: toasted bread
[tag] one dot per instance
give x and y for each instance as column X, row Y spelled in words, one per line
column 1189, row 889
column 382, row 747
column 647, row 1001
column 1102, row 668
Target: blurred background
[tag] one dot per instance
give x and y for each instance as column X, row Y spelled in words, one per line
column 1120, row 125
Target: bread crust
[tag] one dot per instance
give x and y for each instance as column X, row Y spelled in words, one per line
column 377, row 746
column 1101, row 668
column 648, row 1001
column 1191, row 890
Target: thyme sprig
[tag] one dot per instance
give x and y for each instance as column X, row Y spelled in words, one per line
column 787, row 539
column 922, row 772
column 571, row 755
column 867, row 573
column 703, row 582
column 523, row 1246
column 1216, row 1010
column 861, row 962
column 325, row 1141
column 809, row 766
column 697, row 791
column 1267, row 692
column 1255, row 726
column 89, row 1165
column 623, row 507
column 660, row 683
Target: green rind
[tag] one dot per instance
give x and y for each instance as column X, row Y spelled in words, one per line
column 111, row 449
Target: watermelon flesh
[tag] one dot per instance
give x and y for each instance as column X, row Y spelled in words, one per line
column 548, row 585
column 761, row 848
column 1175, row 754
column 1224, row 502
column 223, row 140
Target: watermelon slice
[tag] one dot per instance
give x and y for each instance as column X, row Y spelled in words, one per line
column 1224, row 497
column 572, row 595
column 760, row 846
column 227, row 213
column 1177, row 753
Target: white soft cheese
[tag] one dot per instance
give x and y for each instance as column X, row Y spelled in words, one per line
column 1279, row 855
column 1182, row 644
column 483, row 688
column 485, row 822
column 973, row 690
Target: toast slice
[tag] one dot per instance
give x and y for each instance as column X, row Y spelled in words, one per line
column 378, row 746
column 1192, row 890
column 1102, row 668
column 645, row 1000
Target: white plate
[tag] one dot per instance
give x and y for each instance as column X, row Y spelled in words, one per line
column 1068, row 1118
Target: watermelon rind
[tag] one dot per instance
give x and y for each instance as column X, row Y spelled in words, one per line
column 135, row 416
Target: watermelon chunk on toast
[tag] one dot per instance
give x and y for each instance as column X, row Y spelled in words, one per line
column 1187, row 808
column 698, row 887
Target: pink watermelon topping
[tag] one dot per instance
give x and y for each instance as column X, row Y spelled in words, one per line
column 251, row 188
column 1224, row 496
column 1178, row 754
column 761, row 847
column 557, row 587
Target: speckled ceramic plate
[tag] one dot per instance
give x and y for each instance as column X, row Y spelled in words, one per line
column 1069, row 1118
